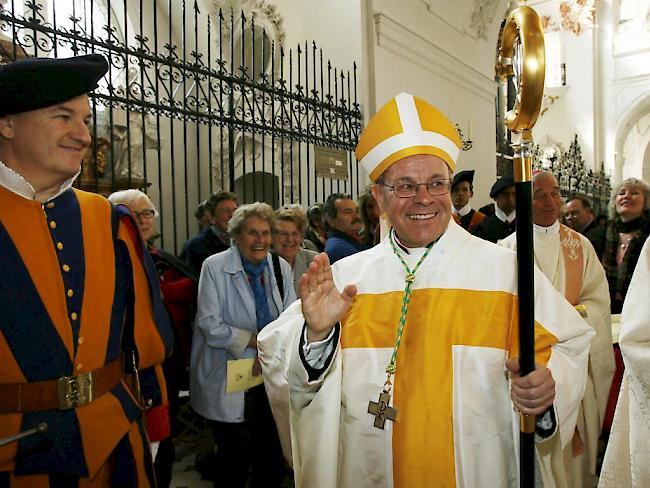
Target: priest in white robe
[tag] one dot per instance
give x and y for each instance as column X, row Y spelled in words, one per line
column 627, row 460
column 569, row 261
column 398, row 367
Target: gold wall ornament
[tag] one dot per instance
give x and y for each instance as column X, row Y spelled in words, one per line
column 93, row 162
column 548, row 101
column 466, row 143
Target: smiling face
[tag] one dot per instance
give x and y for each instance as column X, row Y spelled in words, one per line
column 254, row 239
column 45, row 146
column 630, row 202
column 420, row 219
column 287, row 239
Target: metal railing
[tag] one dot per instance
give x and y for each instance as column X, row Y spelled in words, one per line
column 196, row 103
column 573, row 176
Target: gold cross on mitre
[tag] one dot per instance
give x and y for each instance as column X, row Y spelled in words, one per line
column 381, row 410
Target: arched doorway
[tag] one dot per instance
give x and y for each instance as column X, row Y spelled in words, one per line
column 633, row 141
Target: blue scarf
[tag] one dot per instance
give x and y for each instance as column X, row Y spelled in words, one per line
column 255, row 273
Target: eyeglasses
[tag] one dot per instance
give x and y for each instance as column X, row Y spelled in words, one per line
column 408, row 189
column 145, row 214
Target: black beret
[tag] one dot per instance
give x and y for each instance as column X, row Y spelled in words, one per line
column 467, row 175
column 34, row 83
column 501, row 184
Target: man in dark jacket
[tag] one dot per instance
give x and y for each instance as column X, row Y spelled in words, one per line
column 462, row 190
column 502, row 223
column 580, row 217
column 343, row 225
column 214, row 238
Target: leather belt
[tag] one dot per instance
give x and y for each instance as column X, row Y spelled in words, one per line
column 64, row 393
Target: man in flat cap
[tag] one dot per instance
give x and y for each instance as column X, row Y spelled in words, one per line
column 462, row 190
column 397, row 367
column 80, row 301
column 502, row 223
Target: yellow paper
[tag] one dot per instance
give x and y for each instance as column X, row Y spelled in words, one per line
column 240, row 375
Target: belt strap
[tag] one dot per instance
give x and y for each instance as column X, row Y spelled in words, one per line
column 63, row 393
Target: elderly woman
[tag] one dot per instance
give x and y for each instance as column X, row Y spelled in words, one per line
column 142, row 208
column 629, row 227
column 287, row 240
column 178, row 285
column 238, row 296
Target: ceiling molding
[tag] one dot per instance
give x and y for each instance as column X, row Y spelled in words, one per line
column 402, row 41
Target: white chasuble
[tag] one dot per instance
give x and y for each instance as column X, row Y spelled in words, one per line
column 455, row 423
column 627, row 460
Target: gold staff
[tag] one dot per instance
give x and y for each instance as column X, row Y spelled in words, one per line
column 521, row 55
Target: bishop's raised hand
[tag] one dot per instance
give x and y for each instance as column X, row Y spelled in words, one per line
column 322, row 304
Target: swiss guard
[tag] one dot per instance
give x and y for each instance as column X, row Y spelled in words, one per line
column 83, row 329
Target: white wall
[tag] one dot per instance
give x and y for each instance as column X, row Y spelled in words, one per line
column 629, row 95
column 573, row 111
column 335, row 25
column 607, row 92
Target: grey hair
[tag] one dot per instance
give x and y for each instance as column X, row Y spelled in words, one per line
column 129, row 197
column 645, row 188
column 544, row 174
column 257, row 209
column 292, row 213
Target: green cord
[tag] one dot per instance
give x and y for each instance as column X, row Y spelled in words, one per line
column 391, row 367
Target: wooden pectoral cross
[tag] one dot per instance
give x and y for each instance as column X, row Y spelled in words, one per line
column 381, row 410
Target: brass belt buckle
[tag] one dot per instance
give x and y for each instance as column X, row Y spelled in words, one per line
column 75, row 391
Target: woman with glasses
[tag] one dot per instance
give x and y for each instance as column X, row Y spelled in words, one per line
column 287, row 242
column 178, row 285
column 141, row 207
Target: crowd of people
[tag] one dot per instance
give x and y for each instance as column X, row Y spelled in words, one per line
column 386, row 360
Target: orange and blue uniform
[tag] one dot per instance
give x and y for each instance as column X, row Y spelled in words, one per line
column 78, row 292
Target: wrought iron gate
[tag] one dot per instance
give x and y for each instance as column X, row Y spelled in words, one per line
column 195, row 103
